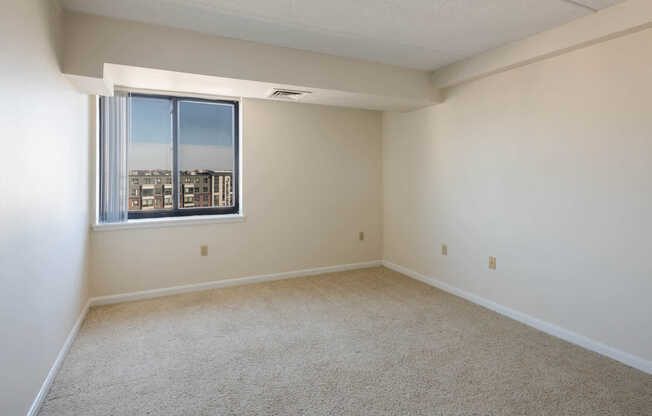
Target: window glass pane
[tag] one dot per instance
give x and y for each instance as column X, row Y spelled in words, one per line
column 149, row 157
column 206, row 137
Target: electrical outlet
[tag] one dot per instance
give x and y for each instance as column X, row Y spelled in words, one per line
column 361, row 235
column 492, row 263
column 203, row 250
column 444, row 250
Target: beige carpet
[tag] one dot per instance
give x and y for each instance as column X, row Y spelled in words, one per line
column 365, row 342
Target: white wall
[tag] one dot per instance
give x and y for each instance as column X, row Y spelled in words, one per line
column 548, row 167
column 312, row 181
column 44, row 204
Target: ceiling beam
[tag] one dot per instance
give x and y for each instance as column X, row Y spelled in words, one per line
column 91, row 41
column 619, row 20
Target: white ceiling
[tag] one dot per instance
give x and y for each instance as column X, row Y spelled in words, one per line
column 421, row 34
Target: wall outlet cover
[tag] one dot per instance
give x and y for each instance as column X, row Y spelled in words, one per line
column 492, row 263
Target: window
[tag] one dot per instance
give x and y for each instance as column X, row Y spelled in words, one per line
column 182, row 143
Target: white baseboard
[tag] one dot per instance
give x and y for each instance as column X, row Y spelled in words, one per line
column 45, row 387
column 600, row 348
column 175, row 290
column 554, row 330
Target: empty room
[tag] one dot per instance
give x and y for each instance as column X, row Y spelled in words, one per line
column 308, row 207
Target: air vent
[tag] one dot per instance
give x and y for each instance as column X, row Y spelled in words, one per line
column 287, row 94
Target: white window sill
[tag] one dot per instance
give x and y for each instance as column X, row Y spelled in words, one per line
column 169, row 222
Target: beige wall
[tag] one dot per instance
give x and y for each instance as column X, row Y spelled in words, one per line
column 548, row 167
column 312, row 181
column 44, row 204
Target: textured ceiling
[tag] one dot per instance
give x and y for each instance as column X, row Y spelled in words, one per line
column 422, row 34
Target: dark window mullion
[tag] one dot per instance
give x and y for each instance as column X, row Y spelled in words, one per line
column 176, row 188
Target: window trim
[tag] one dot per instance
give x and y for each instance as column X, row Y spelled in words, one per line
column 202, row 220
column 176, row 211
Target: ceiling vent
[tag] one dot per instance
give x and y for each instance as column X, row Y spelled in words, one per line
column 287, row 94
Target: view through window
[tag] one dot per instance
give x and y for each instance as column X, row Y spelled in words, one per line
column 182, row 157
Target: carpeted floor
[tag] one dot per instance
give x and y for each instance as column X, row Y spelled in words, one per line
column 365, row 342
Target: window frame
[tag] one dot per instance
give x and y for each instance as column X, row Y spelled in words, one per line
column 176, row 210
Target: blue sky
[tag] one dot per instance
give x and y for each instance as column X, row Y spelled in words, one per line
column 205, row 135
column 199, row 123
